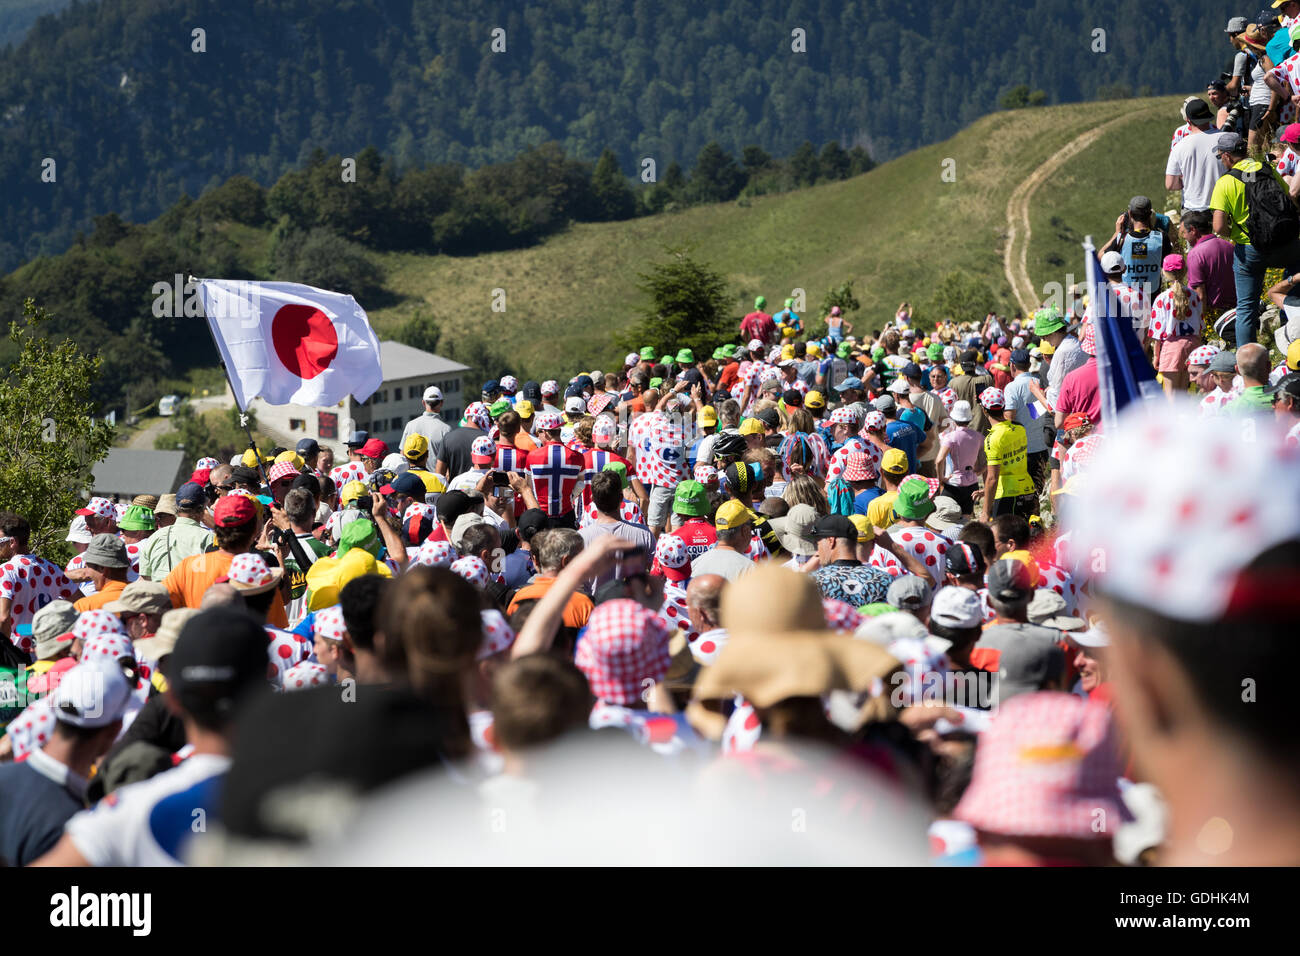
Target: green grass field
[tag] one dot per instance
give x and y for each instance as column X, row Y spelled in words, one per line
column 894, row 231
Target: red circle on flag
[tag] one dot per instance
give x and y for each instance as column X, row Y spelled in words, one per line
column 304, row 339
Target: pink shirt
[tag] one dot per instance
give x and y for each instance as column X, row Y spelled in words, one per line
column 963, row 450
column 1080, row 392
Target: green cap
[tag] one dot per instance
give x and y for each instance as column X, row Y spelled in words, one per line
column 759, row 302
column 719, row 354
column 666, row 360
column 359, row 533
column 499, row 407
column 1048, row 320
column 913, row 501
column 620, row 469
column 935, row 351
column 137, row 518
column 656, row 382
column 691, row 499
column 877, row 353
column 729, row 349
column 877, row 609
column 842, row 351
column 648, row 353
column 789, row 303
column 685, row 357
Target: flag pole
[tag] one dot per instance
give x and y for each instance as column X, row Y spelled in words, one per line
column 243, row 415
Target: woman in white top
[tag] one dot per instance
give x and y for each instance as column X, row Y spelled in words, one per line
column 961, row 455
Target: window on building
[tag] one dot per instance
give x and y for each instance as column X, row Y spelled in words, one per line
column 327, row 424
column 297, row 425
column 453, row 385
column 398, row 424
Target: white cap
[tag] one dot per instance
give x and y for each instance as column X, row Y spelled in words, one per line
column 961, row 411
column 900, row 386
column 433, row 394
column 956, row 607
column 395, row 463
column 632, row 359
column 575, row 403
column 755, row 345
column 92, row 694
column 1112, row 262
column 78, row 532
column 1095, row 636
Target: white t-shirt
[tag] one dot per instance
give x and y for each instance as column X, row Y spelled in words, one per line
column 123, row 830
column 1193, row 158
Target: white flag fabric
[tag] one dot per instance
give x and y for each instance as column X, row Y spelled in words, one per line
column 287, row 343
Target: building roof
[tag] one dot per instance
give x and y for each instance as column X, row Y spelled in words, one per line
column 138, row 471
column 403, row 361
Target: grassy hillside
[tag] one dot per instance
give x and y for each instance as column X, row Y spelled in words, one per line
column 895, row 230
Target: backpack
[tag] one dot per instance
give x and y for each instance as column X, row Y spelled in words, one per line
column 1271, row 219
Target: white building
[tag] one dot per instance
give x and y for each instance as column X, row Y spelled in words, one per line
column 407, row 373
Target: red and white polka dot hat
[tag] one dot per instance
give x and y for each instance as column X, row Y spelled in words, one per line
column 328, row 623
column 482, row 450
column 604, row 429
column 674, row 561
column 477, row 414
column 509, row 384
column 250, row 573
column 435, row 554
column 843, row 416
column 706, row 475
column 1202, row 355
column 107, row 646
column 1088, row 338
column 497, row 634
column 101, row 507
column 97, row 623
column 548, row 421
column 550, row 387
column 305, row 674
column 933, row 483
column 1178, row 506
column 993, row 398
column 208, row 463
column 841, row 616
column 874, row 421
column 472, row 569
column 284, row 651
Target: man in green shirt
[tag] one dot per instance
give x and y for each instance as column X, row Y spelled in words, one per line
column 1008, row 489
column 168, row 547
column 1231, row 215
column 1252, row 363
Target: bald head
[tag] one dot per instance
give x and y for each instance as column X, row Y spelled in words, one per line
column 218, row 594
column 702, row 596
column 1252, row 363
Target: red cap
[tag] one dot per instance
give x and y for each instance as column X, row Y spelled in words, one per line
column 233, row 510
column 374, row 448
column 201, row 475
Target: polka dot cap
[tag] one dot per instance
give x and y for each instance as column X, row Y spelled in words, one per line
column 435, row 554
column 874, row 421
column 97, row 623
column 1203, row 354
column 706, row 475
column 840, row 616
column 98, row 506
column 843, row 416
column 206, row 463
column 250, row 571
column 477, row 414
column 497, row 634
column 706, row 647
column 550, row 387
column 107, row 647
column 1180, row 505
column 670, row 551
column 604, row 429
column 305, row 674
column 509, row 384
column 285, row 650
column 328, row 623
column 993, row 398
column 482, row 448
column 548, row 421
column 472, row 569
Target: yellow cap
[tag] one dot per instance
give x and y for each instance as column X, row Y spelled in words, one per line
column 351, row 491
column 250, row 460
column 787, row 332
column 894, row 462
column 751, row 426
column 731, row 514
column 1293, row 356
column 524, row 408
column 707, row 416
column 787, row 352
column 415, row 446
column 865, row 531
column 814, row 399
column 292, row 456
column 814, row 350
column 1046, row 348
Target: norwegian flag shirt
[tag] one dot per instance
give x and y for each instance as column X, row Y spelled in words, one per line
column 556, row 472
column 595, row 460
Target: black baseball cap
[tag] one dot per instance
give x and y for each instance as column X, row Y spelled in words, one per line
column 769, row 417
column 530, row 522
column 532, row 392
column 911, row 370
column 357, row 439
column 792, row 397
column 964, row 558
column 243, row 475
column 219, row 661
column 1286, row 385
column 309, row 481
column 1009, row 581
column 833, row 526
column 451, row 505
column 1198, row 111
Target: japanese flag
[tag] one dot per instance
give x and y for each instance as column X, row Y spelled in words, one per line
column 291, row 344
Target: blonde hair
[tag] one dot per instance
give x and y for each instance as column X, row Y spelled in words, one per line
column 1178, row 290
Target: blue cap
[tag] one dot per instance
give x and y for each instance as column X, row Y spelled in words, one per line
column 584, row 381
column 308, row 446
column 911, row 370
column 491, row 385
column 357, row 439
column 1019, row 356
column 408, row 484
column 573, row 390
column 192, row 493
column 851, row 382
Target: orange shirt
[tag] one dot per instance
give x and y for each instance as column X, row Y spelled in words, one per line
column 576, row 611
column 189, row 580
column 109, row 592
column 524, row 442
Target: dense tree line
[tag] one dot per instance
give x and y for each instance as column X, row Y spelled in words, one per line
column 116, row 95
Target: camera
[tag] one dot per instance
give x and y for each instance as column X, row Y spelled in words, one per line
column 366, row 503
